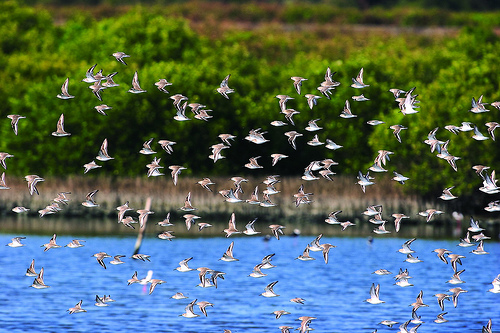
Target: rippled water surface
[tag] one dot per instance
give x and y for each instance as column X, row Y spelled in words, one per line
column 334, row 292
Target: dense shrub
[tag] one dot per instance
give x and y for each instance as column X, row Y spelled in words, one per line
column 37, row 56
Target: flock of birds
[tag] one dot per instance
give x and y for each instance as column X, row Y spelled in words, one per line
column 408, row 104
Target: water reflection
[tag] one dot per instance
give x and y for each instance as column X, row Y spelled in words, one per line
column 314, row 226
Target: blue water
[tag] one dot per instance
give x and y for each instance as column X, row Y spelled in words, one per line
column 334, row 292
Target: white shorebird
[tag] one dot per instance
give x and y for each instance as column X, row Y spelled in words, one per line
column 297, row 82
column 408, row 104
column 441, row 253
column 268, row 291
column 388, row 323
column 188, row 207
column 456, row 292
column 143, row 216
column 326, row 250
column 411, row 259
column 360, row 98
column 224, row 88
column 16, row 242
column 279, row 313
column 312, row 100
column 32, row 181
column 257, row 273
column 250, row 228
column 176, row 171
column 75, row 243
column 117, row 260
column 440, row 318
column 496, row 285
column 253, row 164
column 14, row 121
column 346, row 112
column 397, row 130
column 358, row 81
column 103, row 152
column 109, row 82
column 405, row 248
column 31, row 270
column 312, row 126
column 189, row 313
column 90, row 77
column 181, row 113
column 466, row 242
column 455, row 279
column 430, row 213
column 447, row 195
column 38, row 283
column 374, row 295
column 282, row 101
column 179, row 295
column 478, row 106
column 122, row 210
column 399, row 178
column 278, row 123
column 375, row 122
column 289, row 113
column 100, row 256
column 100, row 301
column 480, row 249
column 77, row 308
column 228, row 255
column 441, row 298
column 154, row 283
column 183, row 265
column 146, row 148
column 292, row 136
column 231, row 229
column 305, row 255
column 364, row 180
column 60, row 127
column 487, row 328
column 397, row 220
column 492, row 125
column 20, row 209
column 304, row 324
column 419, row 302
column 161, row 84
column 166, row 235
column 89, row 200
column 119, row 57
column 455, row 259
column 277, row 157
column 315, row 141
column 189, row 220
column 382, row 271
column 64, row 91
column 332, row 145
column 136, row 88
column 90, row 166
column 474, row 226
column 478, row 135
column 51, row 244
column 101, row 108
column 203, row 305
column 96, row 87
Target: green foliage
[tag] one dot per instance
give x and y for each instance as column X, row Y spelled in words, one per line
column 38, row 56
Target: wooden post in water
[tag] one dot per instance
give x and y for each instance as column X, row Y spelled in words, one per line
column 142, row 230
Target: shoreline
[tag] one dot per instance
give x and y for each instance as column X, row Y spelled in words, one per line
column 339, row 194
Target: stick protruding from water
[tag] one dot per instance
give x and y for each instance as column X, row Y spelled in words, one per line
column 142, row 230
